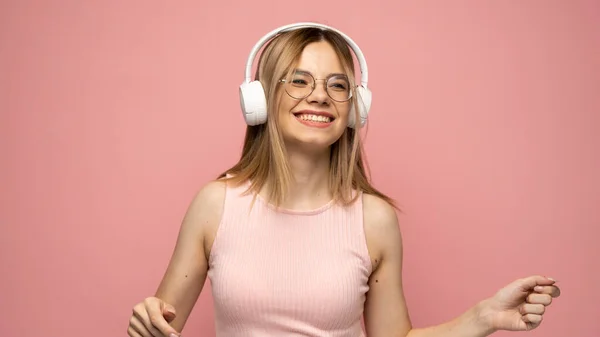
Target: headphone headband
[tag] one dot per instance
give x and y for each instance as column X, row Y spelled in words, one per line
column 357, row 52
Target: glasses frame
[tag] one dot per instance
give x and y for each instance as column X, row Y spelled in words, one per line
column 314, row 86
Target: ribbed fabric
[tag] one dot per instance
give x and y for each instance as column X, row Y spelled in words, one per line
column 288, row 273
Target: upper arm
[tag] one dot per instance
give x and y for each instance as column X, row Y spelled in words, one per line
column 386, row 313
column 186, row 273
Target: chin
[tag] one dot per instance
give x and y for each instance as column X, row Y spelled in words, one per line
column 315, row 143
column 311, row 142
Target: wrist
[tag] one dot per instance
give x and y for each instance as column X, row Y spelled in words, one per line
column 483, row 318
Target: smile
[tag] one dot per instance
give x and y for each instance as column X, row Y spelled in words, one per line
column 314, row 120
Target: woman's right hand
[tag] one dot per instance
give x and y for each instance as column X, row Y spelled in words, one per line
column 151, row 318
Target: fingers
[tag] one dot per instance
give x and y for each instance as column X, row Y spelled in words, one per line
column 169, row 312
column 543, row 299
column 535, row 309
column 157, row 321
column 539, row 292
column 532, row 314
column 146, row 327
column 151, row 319
column 131, row 332
column 533, row 320
column 137, row 328
column 553, row 291
column 528, row 283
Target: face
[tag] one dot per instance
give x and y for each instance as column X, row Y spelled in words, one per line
column 319, row 119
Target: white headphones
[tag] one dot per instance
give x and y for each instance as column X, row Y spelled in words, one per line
column 252, row 95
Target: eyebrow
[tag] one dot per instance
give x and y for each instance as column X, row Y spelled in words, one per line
column 329, row 75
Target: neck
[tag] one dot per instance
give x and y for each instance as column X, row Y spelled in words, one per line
column 310, row 185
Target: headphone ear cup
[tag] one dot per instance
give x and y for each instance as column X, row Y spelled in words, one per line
column 253, row 103
column 363, row 100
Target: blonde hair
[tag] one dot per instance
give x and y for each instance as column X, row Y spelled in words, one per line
column 264, row 158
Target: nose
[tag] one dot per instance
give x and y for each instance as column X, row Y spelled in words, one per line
column 319, row 94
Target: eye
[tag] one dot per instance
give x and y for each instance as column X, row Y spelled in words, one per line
column 338, row 84
column 299, row 81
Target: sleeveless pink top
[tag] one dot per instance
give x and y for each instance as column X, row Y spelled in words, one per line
column 288, row 273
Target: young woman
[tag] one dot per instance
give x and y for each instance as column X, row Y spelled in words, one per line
column 294, row 238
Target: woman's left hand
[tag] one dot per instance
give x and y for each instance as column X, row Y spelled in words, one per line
column 520, row 305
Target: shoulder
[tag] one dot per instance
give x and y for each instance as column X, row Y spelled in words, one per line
column 378, row 212
column 210, row 196
column 206, row 210
column 381, row 227
column 212, row 191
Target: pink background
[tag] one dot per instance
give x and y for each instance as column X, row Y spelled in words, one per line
column 113, row 113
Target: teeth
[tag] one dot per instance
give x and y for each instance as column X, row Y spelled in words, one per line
column 314, row 118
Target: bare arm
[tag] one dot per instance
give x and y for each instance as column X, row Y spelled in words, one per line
column 186, row 273
column 469, row 324
column 386, row 313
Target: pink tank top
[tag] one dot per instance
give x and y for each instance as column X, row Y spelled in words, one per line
column 288, row 273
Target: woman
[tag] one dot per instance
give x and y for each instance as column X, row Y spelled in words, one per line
column 294, row 238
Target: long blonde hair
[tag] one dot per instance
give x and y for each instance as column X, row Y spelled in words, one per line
column 264, row 158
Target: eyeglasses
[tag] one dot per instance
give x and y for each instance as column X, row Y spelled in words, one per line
column 302, row 84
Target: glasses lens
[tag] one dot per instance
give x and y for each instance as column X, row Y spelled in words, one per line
column 338, row 88
column 300, row 85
